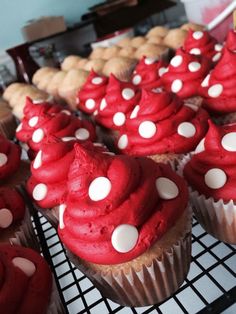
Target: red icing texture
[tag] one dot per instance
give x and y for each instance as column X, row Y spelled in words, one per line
column 12, row 153
column 191, row 80
column 167, row 112
column 213, row 156
column 115, row 102
column 92, row 91
column 133, row 199
column 224, row 74
column 231, row 40
column 19, row 293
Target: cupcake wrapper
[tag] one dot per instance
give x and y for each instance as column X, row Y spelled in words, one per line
column 55, row 305
column 153, row 283
column 225, row 119
column 52, row 215
column 196, row 101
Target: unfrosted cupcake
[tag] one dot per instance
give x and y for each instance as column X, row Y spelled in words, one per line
column 211, row 175
column 126, row 225
column 152, row 51
column 175, row 38
column 157, row 31
column 121, row 67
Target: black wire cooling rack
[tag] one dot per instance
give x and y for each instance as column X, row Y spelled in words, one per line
column 210, row 286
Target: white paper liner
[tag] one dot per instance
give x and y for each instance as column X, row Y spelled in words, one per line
column 55, row 304
column 216, row 217
column 153, row 283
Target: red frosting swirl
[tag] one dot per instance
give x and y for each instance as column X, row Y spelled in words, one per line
column 185, row 74
column 22, row 292
column 202, row 43
column 92, row 92
column 9, row 158
column 135, row 201
column 231, row 40
column 162, row 124
column 148, row 72
column 118, row 102
column 212, row 170
column 218, row 89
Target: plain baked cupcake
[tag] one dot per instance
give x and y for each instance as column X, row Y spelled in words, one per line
column 70, row 62
column 157, row 31
column 121, row 67
column 175, row 38
column 151, row 51
column 126, row 225
column 211, row 175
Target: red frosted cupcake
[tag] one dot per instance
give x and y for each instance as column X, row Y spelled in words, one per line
column 162, row 127
column 211, row 174
column 123, row 216
column 26, row 284
column 185, row 74
column 231, row 40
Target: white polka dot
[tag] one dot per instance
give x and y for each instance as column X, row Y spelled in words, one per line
column 99, row 188
column 3, row 159
column 176, row 86
column 66, row 112
column 135, row 111
column 97, row 80
column 123, row 141
column 215, row 178
column 103, row 104
column 137, row 79
column 38, row 160
column 192, row 106
column 218, row 47
column 194, row 66
column 90, row 104
column 176, row 61
column 62, row 208
column 33, row 121
column 205, row 82
column 229, row 142
column 150, row 60
column 198, row 35
column 26, row 266
column 200, row 147
column 38, row 101
column 216, row 57
column 215, row 90
column 124, row 238
column 162, row 71
column 38, row 135
column 82, row 134
column 147, row 129
column 128, row 93
column 40, row 191
column 6, row 218
column 19, row 128
column 68, row 138
column 166, row 188
column 195, row 51
column 186, row 129
column 119, row 118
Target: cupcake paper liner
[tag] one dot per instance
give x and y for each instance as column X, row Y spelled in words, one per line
column 153, row 283
column 55, row 304
column 195, row 101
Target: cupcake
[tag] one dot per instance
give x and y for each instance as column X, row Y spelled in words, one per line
column 175, row 38
column 70, row 62
column 162, row 127
column 157, row 40
column 127, row 52
column 121, row 67
column 230, row 42
column 124, row 42
column 7, row 121
column 185, row 74
column 126, row 225
column 81, row 63
column 157, row 31
column 138, row 41
column 54, row 83
column 151, row 51
column 210, row 172
column 97, row 53
column 192, row 26
column 27, row 285
column 110, row 52
column 95, row 65
column 41, row 73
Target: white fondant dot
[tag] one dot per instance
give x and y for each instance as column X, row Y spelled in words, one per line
column 99, row 188
column 215, row 90
column 128, row 93
column 216, row 57
column 176, row 61
column 6, row 218
column 38, row 160
column 33, row 121
column 62, row 208
column 186, row 129
column 119, row 118
column 82, row 134
column 229, row 142
column 200, row 147
column 19, row 128
column 218, row 47
column 97, row 80
column 123, row 141
column 194, row 66
column 3, row 159
column 124, row 238
column 215, row 178
column 198, row 35
column 103, row 104
column 205, row 82
column 166, row 188
column 147, row 129
column 90, row 104
column 150, row 60
column 25, row 265
column 68, row 138
column 135, row 111
column 66, row 112
column 40, row 191
column 38, row 135
column 176, row 86
column 162, row 71
column 137, row 79
column 195, row 51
